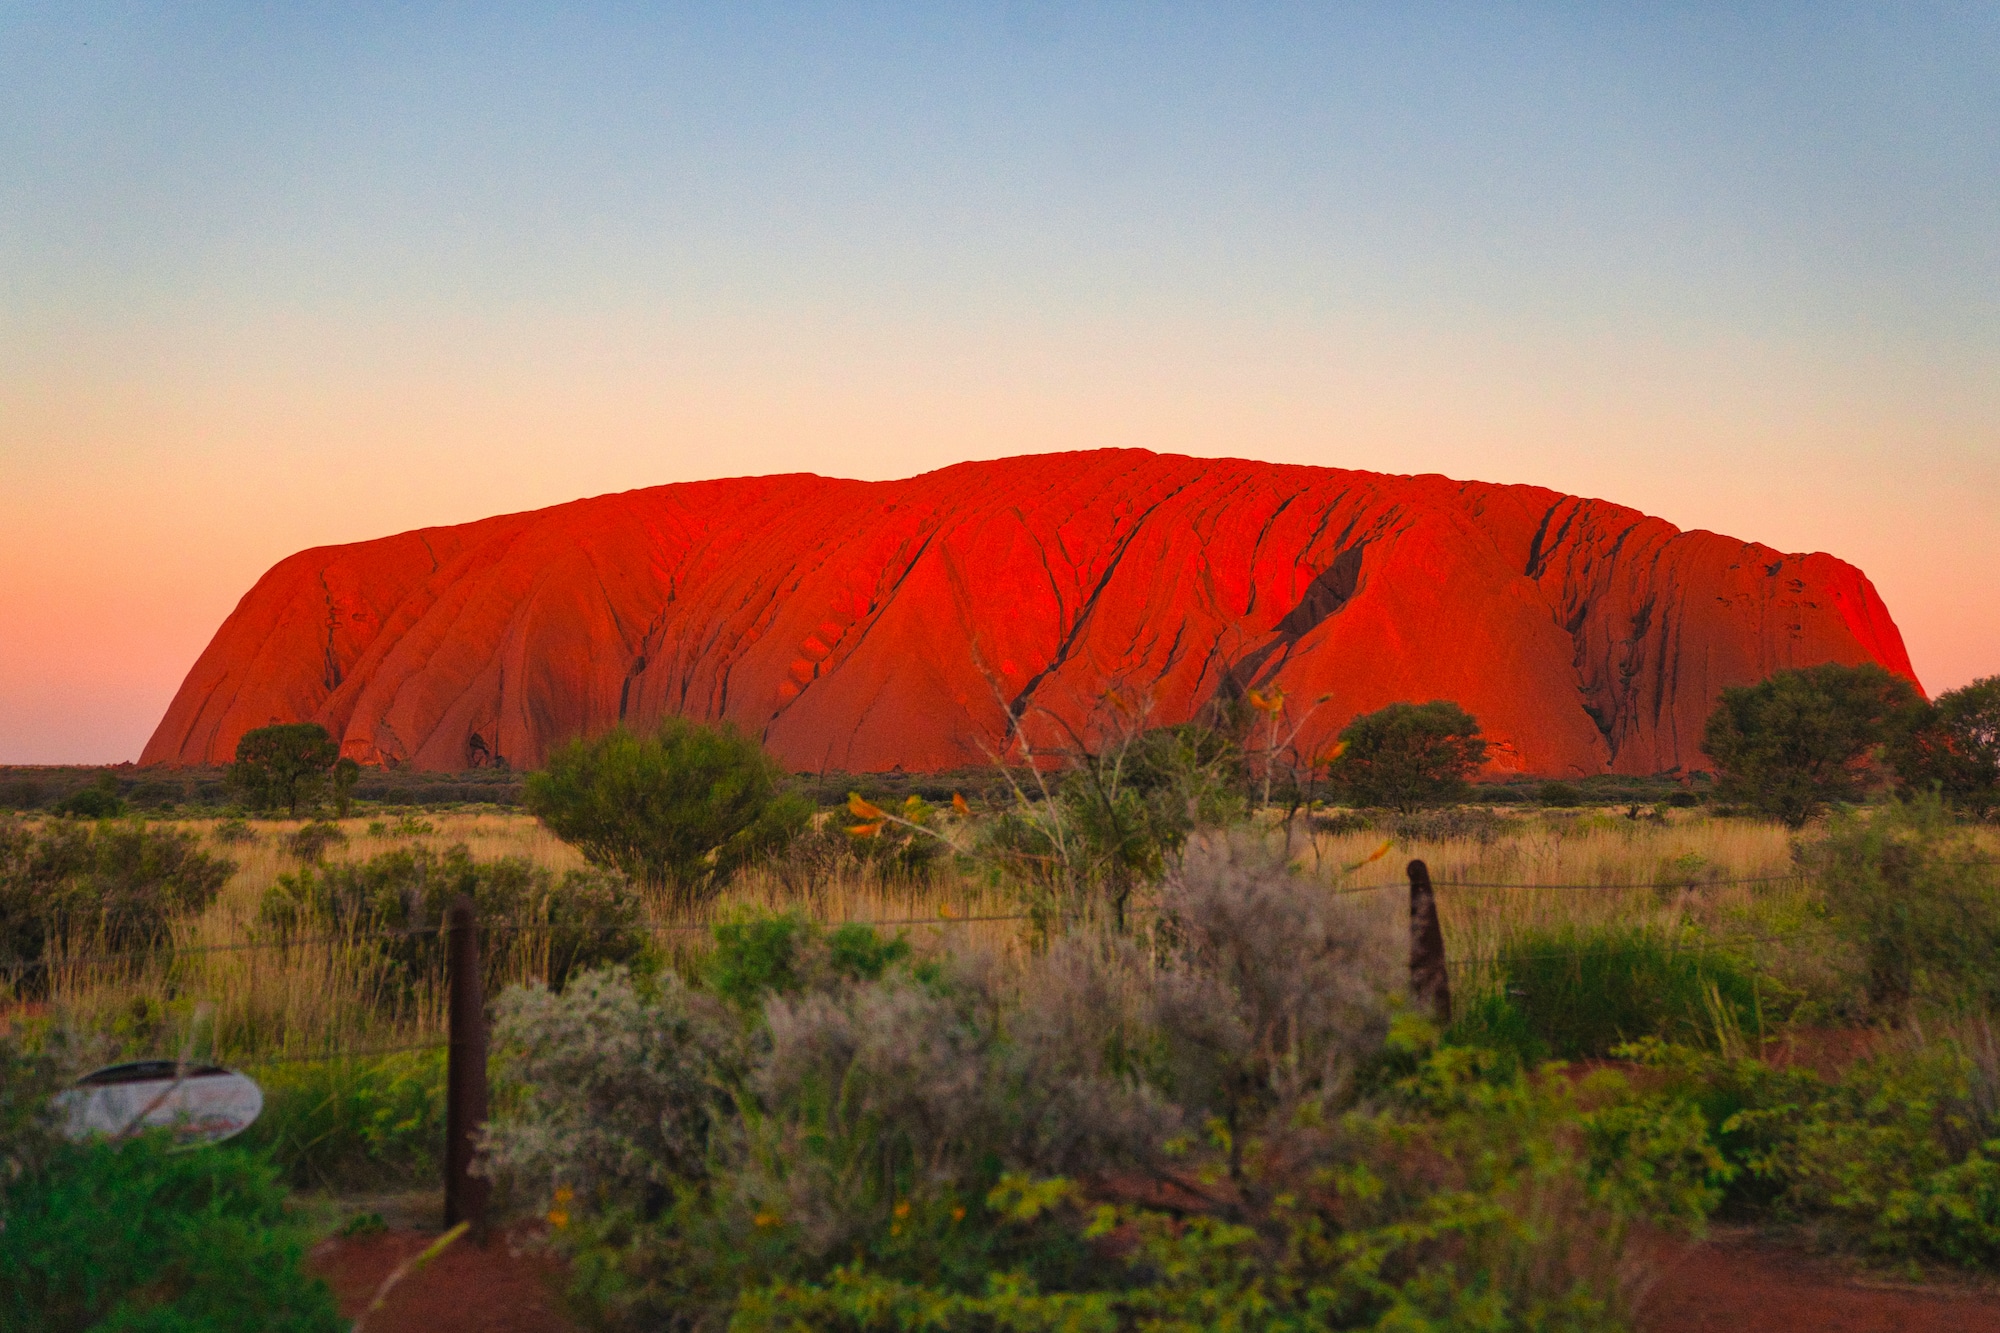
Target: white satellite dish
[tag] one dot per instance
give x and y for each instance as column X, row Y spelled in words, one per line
column 197, row 1103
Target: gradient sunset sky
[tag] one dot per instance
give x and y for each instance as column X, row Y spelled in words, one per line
column 276, row 278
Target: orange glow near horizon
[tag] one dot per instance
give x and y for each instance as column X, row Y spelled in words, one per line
column 290, row 279
column 162, row 504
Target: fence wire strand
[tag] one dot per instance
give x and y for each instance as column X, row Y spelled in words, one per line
column 1462, row 964
column 175, row 951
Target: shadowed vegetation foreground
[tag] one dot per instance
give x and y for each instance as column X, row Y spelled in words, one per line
column 1124, row 1046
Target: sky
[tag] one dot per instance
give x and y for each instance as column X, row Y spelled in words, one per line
column 279, row 277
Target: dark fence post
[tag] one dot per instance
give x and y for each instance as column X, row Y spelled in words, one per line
column 1430, row 984
column 465, row 1074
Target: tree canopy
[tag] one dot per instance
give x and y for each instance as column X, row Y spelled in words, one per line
column 286, row 764
column 681, row 808
column 1806, row 737
column 1409, row 755
column 1953, row 746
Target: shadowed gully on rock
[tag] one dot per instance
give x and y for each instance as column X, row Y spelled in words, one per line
column 865, row 626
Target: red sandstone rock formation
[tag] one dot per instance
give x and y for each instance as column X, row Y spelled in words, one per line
column 871, row 625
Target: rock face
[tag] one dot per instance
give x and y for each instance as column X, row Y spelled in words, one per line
column 920, row 624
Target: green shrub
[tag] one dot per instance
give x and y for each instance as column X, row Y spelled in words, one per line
column 760, row 956
column 1583, row 992
column 1558, row 794
column 682, row 808
column 1952, row 746
column 30, row 1076
column 138, row 1236
column 233, row 831
column 1805, row 738
column 100, row 800
column 1118, row 816
column 286, row 764
column 1464, row 1203
column 1920, row 899
column 107, row 886
column 1898, row 1154
column 312, row 841
column 353, row 1123
column 557, row 924
column 158, row 793
column 1407, row 756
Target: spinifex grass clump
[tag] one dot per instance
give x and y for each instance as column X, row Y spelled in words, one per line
column 1583, row 992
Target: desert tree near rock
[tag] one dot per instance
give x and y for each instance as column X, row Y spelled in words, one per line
column 286, row 764
column 1805, row 738
column 1952, row 746
column 1407, row 756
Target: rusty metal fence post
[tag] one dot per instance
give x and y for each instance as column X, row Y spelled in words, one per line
column 465, row 1194
column 1430, row 983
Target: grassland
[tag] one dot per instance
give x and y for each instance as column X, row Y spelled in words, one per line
column 1568, row 932
column 1733, row 880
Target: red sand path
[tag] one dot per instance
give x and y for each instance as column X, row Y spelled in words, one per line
column 477, row 1289
column 1735, row 1283
column 1731, row 1284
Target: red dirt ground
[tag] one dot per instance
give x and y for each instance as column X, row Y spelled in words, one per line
column 1736, row 1283
column 493, row 1288
column 1731, row 1283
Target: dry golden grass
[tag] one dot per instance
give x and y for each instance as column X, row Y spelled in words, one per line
column 332, row 993
column 323, row 994
column 1596, row 869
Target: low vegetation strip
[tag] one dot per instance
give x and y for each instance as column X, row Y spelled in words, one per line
column 1127, row 1044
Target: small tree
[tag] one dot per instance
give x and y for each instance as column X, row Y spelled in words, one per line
column 346, row 773
column 1804, row 738
column 682, row 807
column 1115, row 811
column 1409, row 755
column 1953, row 746
column 286, row 764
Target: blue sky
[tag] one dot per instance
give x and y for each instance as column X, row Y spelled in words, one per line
column 276, row 277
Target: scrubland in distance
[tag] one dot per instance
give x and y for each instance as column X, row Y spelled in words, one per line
column 331, row 993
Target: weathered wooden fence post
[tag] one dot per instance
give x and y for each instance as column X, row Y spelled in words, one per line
column 1430, row 984
column 465, row 1194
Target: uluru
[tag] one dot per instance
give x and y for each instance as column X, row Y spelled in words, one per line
column 868, row 626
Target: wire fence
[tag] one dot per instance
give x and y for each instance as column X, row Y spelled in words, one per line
column 1461, row 964
column 284, row 942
